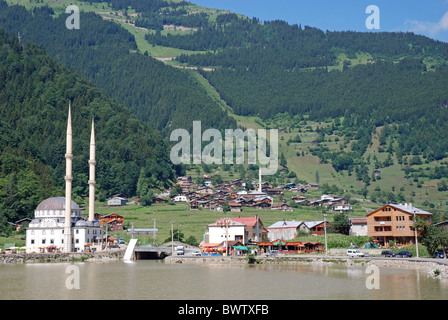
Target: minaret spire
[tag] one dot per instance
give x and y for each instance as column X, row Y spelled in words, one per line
column 68, row 185
column 259, row 179
column 92, row 182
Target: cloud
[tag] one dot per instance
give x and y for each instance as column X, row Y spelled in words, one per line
column 431, row 28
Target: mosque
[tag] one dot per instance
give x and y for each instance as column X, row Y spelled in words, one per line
column 58, row 224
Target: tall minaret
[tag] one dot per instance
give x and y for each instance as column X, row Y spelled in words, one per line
column 92, row 163
column 259, row 179
column 68, row 186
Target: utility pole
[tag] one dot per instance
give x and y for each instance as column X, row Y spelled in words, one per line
column 154, row 233
column 415, row 232
column 325, row 232
column 172, row 238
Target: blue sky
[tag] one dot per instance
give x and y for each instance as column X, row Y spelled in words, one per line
column 426, row 17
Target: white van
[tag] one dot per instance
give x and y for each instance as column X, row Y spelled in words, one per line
column 356, row 253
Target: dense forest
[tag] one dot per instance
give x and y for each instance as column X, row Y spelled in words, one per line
column 34, row 95
column 101, row 51
column 266, row 69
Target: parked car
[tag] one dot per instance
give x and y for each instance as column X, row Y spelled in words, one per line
column 388, row 253
column 271, row 253
column 356, row 253
column 438, row 254
column 196, row 253
column 404, row 254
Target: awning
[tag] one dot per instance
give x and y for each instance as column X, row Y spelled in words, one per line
column 240, row 247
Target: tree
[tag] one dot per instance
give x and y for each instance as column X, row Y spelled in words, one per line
column 432, row 237
column 341, row 223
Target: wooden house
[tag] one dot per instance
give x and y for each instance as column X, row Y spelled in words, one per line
column 114, row 221
column 194, row 205
column 394, row 222
column 235, row 206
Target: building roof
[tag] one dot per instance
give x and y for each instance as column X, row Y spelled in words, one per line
column 248, row 221
column 221, row 222
column 56, row 203
column 407, row 207
column 410, row 208
column 311, row 224
column 285, row 224
column 358, row 220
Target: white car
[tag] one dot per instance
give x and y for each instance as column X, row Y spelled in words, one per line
column 196, row 253
column 356, row 253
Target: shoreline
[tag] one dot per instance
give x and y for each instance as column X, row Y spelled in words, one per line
column 434, row 268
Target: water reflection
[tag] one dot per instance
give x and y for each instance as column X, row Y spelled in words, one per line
column 147, row 279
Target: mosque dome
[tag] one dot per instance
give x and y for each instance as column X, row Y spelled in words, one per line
column 81, row 223
column 55, row 208
column 56, row 203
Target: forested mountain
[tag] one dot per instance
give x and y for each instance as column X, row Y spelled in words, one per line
column 266, row 69
column 34, row 95
column 165, row 97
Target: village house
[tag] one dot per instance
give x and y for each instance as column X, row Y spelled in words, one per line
column 235, row 206
column 225, row 229
column 358, row 227
column 274, row 191
column 194, row 204
column 116, row 202
column 254, row 228
column 205, row 190
column 159, row 200
column 341, row 207
column 186, row 183
column 284, row 230
column 394, row 222
column 316, row 227
column 281, row 207
column 114, row 222
column 179, row 198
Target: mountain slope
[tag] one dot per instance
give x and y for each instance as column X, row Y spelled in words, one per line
column 34, row 95
column 104, row 52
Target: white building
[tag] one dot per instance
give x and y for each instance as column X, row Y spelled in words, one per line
column 180, row 198
column 46, row 231
column 358, row 227
column 55, row 226
column 284, row 230
column 116, row 202
column 225, row 229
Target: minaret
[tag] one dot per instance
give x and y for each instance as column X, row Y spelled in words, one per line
column 68, row 186
column 259, row 179
column 92, row 163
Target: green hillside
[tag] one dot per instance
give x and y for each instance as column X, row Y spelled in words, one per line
column 364, row 113
column 35, row 92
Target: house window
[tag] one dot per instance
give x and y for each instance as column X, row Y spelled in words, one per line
column 32, row 241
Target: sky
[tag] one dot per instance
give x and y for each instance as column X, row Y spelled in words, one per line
column 425, row 17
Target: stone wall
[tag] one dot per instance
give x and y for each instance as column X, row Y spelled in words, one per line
column 111, row 255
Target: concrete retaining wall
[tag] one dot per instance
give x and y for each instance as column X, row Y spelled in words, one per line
column 111, row 255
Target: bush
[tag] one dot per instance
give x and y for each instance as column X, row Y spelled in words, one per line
column 336, row 240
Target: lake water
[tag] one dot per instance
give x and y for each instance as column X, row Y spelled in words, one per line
column 155, row 280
